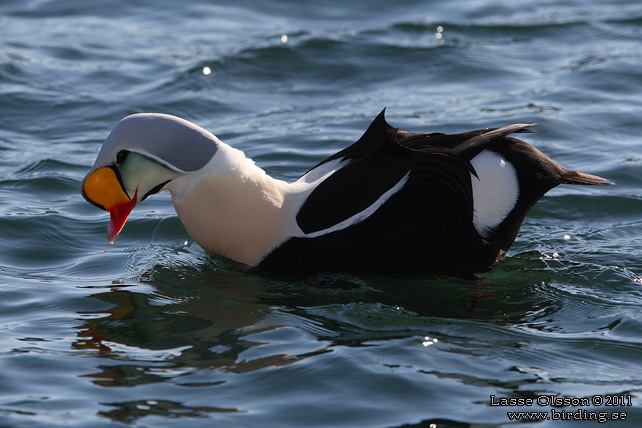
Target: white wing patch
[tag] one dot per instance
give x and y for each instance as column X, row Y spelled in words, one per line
column 320, row 173
column 495, row 193
column 360, row 216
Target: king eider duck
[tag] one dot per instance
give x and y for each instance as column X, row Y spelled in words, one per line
column 394, row 202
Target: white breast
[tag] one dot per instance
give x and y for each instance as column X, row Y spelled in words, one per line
column 495, row 193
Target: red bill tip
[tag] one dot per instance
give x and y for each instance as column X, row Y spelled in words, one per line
column 118, row 216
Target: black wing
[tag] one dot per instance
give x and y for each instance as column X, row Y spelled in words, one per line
column 357, row 185
column 376, row 134
column 467, row 144
column 380, row 159
column 424, row 227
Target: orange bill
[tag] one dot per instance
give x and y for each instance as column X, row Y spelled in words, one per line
column 103, row 188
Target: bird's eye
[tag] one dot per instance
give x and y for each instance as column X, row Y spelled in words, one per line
column 121, row 156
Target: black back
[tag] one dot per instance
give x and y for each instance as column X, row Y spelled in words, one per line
column 426, row 227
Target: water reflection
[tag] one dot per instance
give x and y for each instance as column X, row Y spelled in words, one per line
column 236, row 323
column 131, row 410
column 198, row 328
column 201, row 324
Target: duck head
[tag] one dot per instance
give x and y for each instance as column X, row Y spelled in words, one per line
column 142, row 154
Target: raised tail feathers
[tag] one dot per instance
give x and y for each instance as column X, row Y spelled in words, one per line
column 574, row 177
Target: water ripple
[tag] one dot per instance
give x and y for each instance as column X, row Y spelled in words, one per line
column 151, row 330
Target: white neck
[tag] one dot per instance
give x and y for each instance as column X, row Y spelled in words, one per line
column 232, row 208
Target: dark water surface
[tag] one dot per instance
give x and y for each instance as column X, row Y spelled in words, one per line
column 151, row 332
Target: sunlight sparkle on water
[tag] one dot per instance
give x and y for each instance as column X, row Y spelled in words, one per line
column 439, row 32
column 429, row 341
